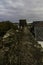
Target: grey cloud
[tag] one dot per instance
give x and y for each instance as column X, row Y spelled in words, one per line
column 17, row 9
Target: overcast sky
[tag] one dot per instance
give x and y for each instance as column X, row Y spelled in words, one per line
column 17, row 9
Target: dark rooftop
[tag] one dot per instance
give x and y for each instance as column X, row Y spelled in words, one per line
column 38, row 23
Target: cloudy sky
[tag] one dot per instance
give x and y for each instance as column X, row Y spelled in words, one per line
column 20, row 9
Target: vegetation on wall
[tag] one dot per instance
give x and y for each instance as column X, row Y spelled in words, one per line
column 18, row 46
